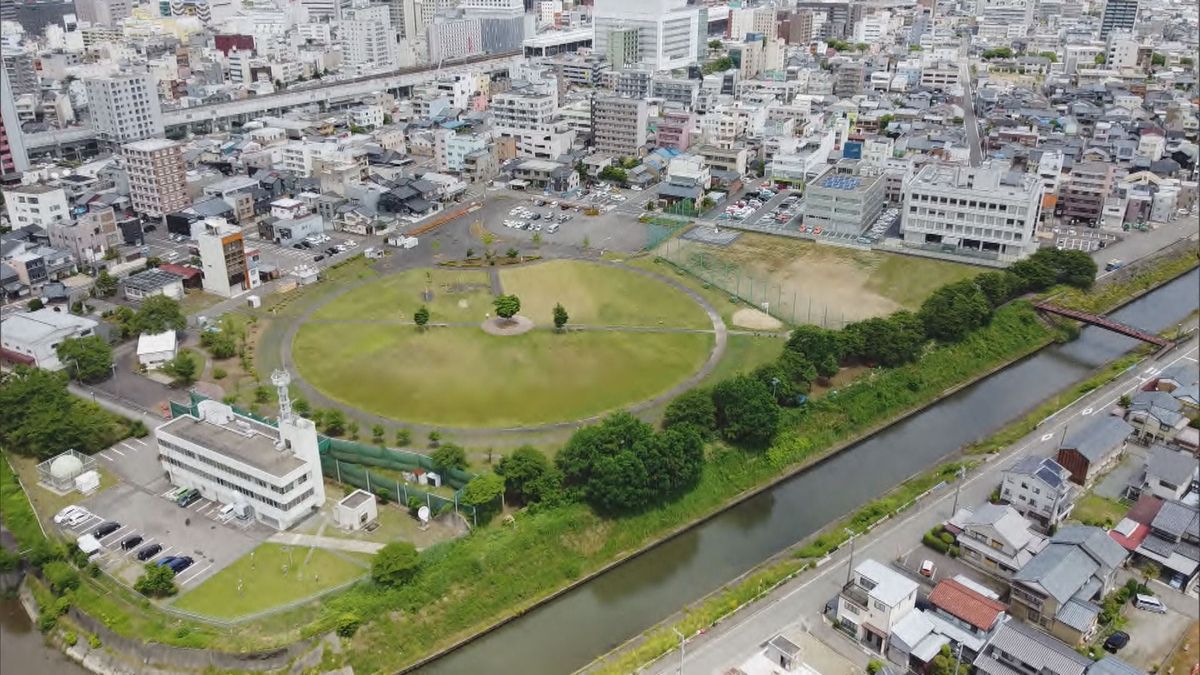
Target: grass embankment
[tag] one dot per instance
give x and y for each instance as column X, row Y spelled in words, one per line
column 469, row 583
column 1104, row 297
column 271, row 576
column 464, row 377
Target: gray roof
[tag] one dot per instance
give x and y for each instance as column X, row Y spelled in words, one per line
column 1183, row 373
column 1099, row 439
column 1078, row 614
column 1111, row 665
column 1155, row 399
column 1177, row 519
column 1074, row 556
column 151, row 280
column 1038, row 650
column 1172, row 466
column 1007, row 522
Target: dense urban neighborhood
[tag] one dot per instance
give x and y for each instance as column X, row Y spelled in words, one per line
column 826, row 337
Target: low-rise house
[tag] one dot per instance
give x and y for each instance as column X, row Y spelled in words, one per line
column 996, row 539
column 30, row 338
column 1056, row 589
column 1156, row 417
column 1167, row 474
column 1181, row 380
column 154, row 281
column 1040, row 489
column 155, row 350
column 1018, row 649
column 1094, row 448
column 1174, row 544
column 874, row 601
column 960, row 617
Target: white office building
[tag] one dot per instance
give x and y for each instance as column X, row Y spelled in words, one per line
column 984, row 211
column 451, row 38
column 273, row 474
column 670, row 33
column 124, row 107
column 37, row 204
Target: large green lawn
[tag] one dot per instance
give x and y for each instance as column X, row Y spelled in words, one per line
column 264, row 583
column 464, row 377
column 600, row 295
column 457, row 296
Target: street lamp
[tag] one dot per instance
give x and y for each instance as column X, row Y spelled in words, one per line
column 681, row 648
column 774, row 386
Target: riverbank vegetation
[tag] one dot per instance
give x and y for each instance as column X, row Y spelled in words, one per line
column 501, row 570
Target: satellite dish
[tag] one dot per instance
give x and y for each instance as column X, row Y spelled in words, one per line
column 423, row 514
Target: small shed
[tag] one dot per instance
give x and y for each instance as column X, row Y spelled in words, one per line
column 156, row 349
column 356, row 510
column 88, row 544
column 1092, row 449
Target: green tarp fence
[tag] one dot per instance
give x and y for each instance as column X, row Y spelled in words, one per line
column 349, row 463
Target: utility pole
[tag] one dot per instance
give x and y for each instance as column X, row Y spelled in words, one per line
column 957, row 489
column 850, row 565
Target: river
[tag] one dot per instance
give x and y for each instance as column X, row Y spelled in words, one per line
column 569, row 632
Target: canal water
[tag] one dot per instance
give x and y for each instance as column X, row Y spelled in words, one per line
column 592, row 619
column 569, row 632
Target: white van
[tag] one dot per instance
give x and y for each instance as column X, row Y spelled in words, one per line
column 1149, row 603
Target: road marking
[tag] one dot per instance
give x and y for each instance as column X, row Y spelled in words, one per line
column 115, row 533
column 199, row 503
column 1046, row 437
column 139, row 442
column 128, row 446
column 1088, row 411
column 105, row 457
column 116, row 451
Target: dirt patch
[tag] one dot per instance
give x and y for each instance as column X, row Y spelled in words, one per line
column 506, row 327
column 755, row 320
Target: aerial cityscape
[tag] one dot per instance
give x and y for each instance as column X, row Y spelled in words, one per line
column 543, row 337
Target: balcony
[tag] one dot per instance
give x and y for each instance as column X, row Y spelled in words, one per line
column 857, row 595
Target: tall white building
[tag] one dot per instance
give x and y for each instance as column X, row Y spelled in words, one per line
column 272, row 473
column 670, row 33
column 619, row 125
column 450, row 38
column 986, row 211
column 503, row 24
column 124, row 107
column 531, row 118
column 227, row 269
column 37, row 204
column 366, row 37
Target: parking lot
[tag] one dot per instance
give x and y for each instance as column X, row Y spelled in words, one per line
column 1081, row 239
column 176, row 249
column 140, row 504
column 612, row 229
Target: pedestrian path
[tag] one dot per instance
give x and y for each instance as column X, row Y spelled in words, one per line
column 333, row 543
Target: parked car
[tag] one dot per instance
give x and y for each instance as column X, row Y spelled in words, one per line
column 148, row 552
column 65, row 515
column 298, row 247
column 166, row 561
column 79, row 517
column 188, row 498
column 105, row 529
column 131, row 542
column 180, row 564
column 149, row 228
column 1149, row 603
column 928, row 569
column 1116, row 642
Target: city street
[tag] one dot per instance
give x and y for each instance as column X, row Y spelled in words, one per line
column 802, row 600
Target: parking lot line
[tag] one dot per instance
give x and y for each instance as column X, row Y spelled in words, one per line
column 139, row 442
column 85, row 524
column 129, row 447
column 105, row 457
column 199, row 503
column 116, row 451
column 163, row 553
column 195, row 575
column 116, row 533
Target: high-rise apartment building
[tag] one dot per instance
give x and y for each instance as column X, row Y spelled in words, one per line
column 503, row 24
column 157, row 177
column 619, row 125
column 449, row 38
column 796, row 26
column 103, row 12
column 622, row 48
column 22, row 73
column 366, row 37
column 1118, row 15
column 670, row 32
column 1081, row 197
column 37, row 204
column 980, row 211
column 124, row 107
column 13, row 159
column 759, row 20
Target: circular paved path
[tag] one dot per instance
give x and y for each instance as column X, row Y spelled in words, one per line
column 320, row 400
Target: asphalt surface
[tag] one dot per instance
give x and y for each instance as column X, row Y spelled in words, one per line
column 802, row 600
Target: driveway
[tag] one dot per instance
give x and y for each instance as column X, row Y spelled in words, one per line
column 1152, row 636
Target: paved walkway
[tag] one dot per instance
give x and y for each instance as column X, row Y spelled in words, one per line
column 334, row 543
column 719, row 331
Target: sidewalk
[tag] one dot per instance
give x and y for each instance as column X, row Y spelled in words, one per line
column 334, row 543
column 802, row 600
